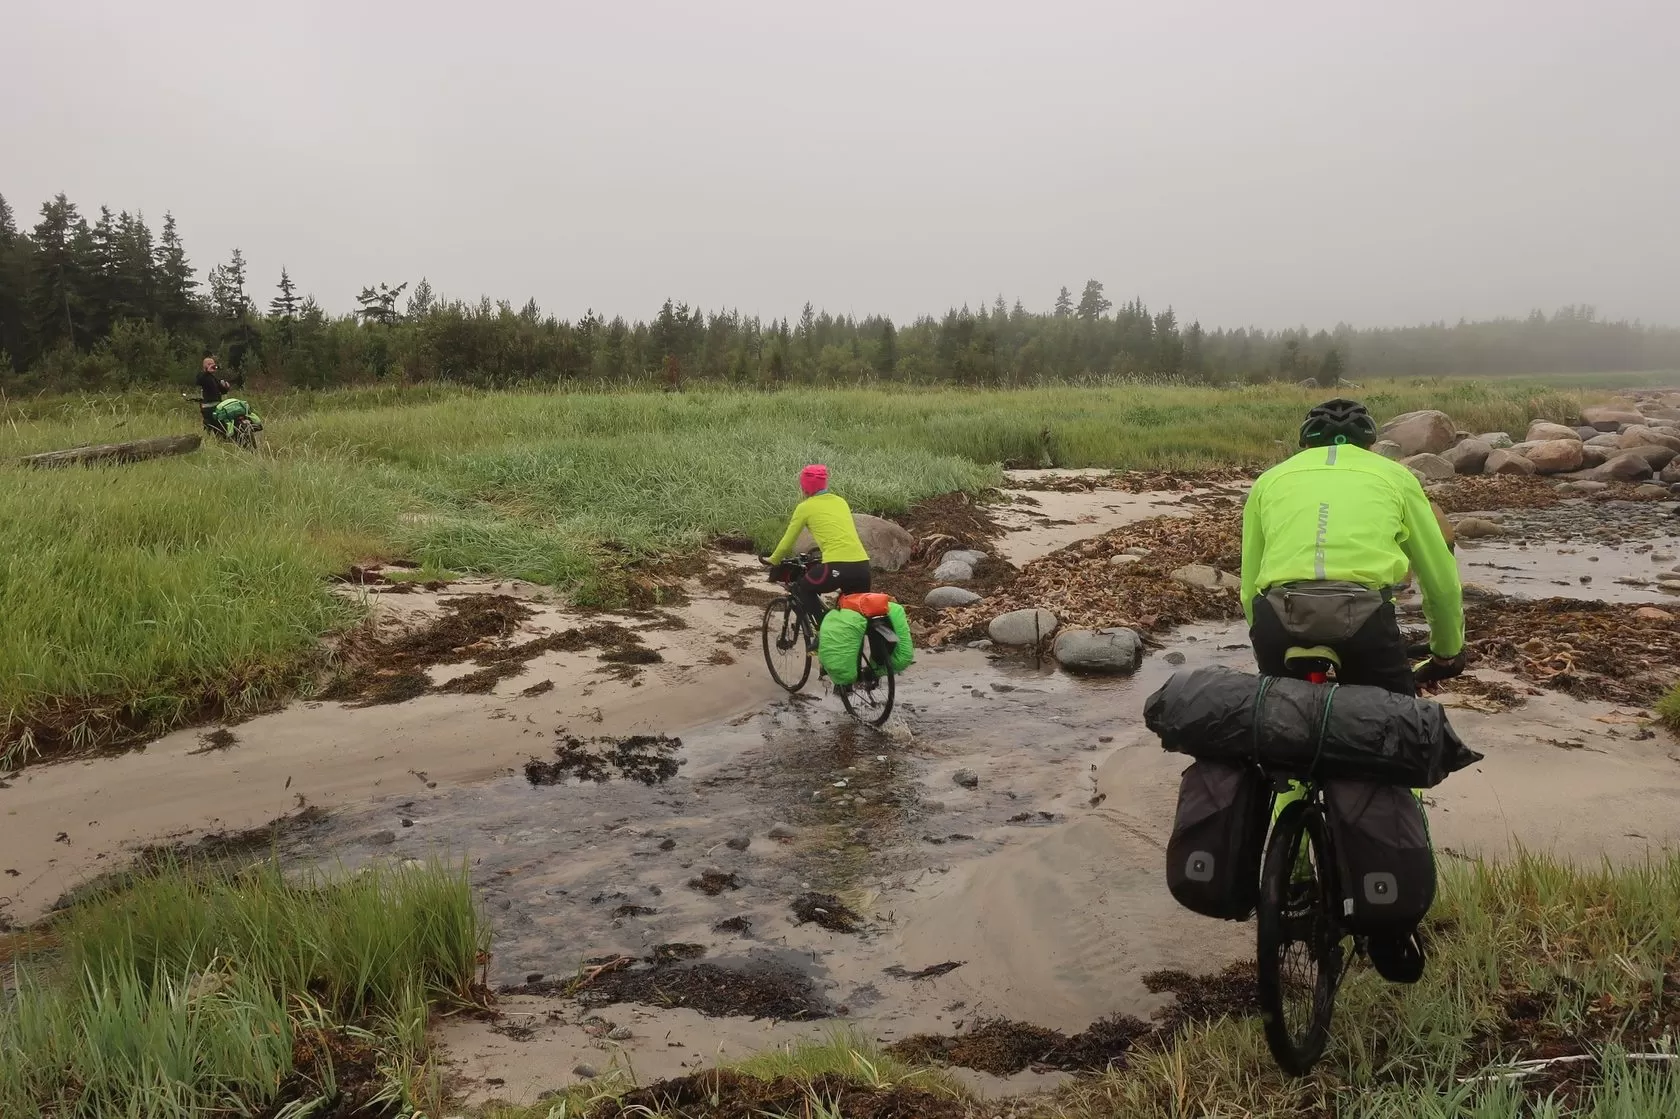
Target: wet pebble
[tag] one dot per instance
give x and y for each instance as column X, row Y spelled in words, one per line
column 967, row 778
column 1175, row 657
column 667, row 845
column 534, row 977
column 1105, row 739
column 406, row 822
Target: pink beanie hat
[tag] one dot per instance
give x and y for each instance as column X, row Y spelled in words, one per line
column 813, row 479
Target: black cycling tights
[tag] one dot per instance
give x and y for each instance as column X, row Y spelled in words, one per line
column 820, row 578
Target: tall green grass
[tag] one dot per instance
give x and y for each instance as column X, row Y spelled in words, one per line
column 139, row 597
column 187, row 992
column 1668, row 709
column 1592, row 946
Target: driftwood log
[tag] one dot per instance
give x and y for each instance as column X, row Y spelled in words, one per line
column 117, row 452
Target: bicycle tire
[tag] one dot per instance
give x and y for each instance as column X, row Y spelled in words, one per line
column 870, row 700
column 1294, row 926
column 785, row 630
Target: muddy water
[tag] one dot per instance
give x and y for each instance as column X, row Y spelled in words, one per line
column 1043, row 881
column 1609, row 551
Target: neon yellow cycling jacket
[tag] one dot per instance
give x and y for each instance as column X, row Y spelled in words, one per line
column 1346, row 514
column 830, row 520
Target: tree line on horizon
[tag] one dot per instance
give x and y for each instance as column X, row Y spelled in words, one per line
column 107, row 304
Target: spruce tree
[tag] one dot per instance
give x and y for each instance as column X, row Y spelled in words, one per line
column 177, row 282
column 1064, row 303
column 285, row 305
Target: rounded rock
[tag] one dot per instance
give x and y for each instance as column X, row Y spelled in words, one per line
column 1022, row 627
column 941, row 598
column 963, row 555
column 953, row 571
column 1115, row 650
column 1418, row 433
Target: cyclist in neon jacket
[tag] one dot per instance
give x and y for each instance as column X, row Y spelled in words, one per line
column 1337, row 512
column 845, row 562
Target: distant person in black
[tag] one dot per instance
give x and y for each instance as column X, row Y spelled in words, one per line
column 211, row 385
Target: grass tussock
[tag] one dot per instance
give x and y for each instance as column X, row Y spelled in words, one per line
column 220, row 992
column 1668, row 709
column 145, row 596
column 1529, row 959
column 840, row 1076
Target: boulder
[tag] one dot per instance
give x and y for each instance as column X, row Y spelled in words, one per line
column 1201, row 575
column 1642, row 435
column 963, row 555
column 1587, row 432
column 1115, row 650
column 1421, row 433
column 1651, row 491
column 1476, row 528
column 1498, row 440
column 943, row 598
column 1507, row 462
column 1623, row 468
column 1430, row 468
column 1587, row 485
column 953, row 571
column 1480, row 592
column 1469, row 455
column 1605, row 439
column 1671, row 473
column 889, row 545
column 1540, row 430
column 1552, row 456
column 1022, row 627
column 1388, row 448
column 1656, row 457
column 1611, row 417
column 1594, row 456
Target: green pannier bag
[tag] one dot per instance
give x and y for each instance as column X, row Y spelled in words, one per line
column 840, row 646
column 903, row 653
column 231, row 409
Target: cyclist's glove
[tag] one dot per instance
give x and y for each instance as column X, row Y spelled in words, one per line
column 1441, row 668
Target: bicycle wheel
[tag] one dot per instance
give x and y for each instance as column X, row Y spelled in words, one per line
column 1298, row 940
column 787, row 643
column 870, row 700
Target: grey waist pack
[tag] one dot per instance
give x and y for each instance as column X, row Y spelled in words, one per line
column 1324, row 613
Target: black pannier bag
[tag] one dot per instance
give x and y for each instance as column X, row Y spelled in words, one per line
column 1219, row 831
column 1384, row 864
column 1319, row 730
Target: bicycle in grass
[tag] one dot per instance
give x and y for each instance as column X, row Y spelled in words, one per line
column 790, row 647
column 1302, row 945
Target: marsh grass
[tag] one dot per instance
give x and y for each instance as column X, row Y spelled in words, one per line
column 141, row 597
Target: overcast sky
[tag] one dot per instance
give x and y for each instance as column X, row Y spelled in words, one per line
column 1277, row 163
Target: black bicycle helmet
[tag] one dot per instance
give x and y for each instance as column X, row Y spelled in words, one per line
column 1339, row 421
